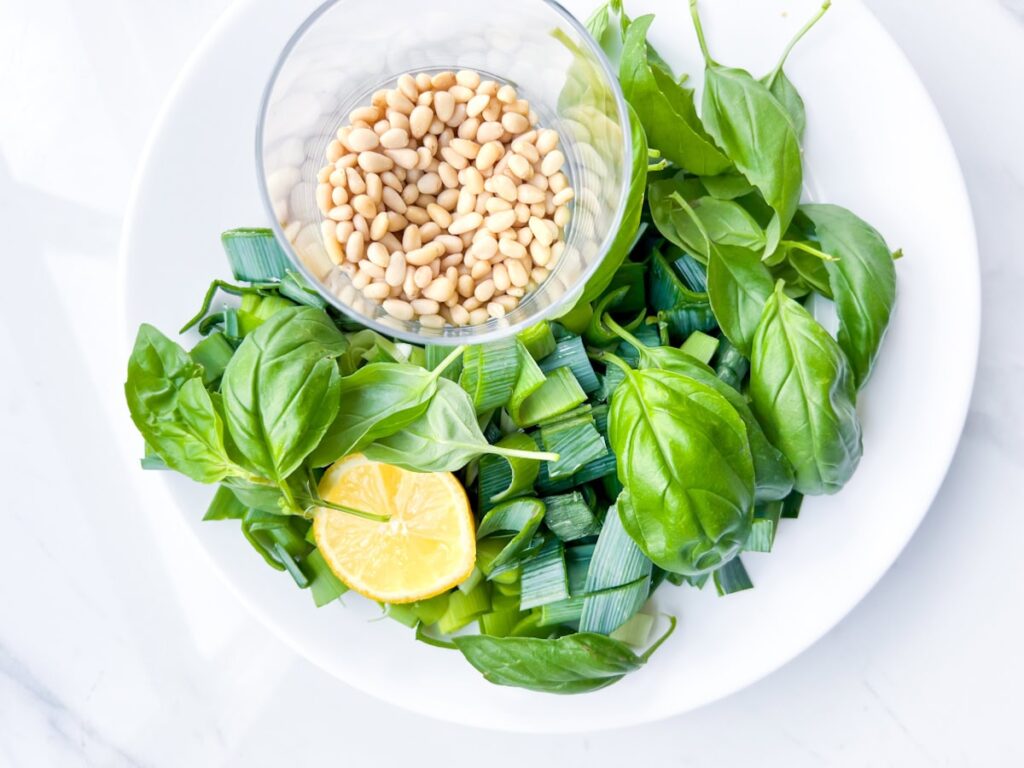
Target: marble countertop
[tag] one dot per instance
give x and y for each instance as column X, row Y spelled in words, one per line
column 111, row 657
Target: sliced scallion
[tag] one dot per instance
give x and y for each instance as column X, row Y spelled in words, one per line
column 571, row 352
column 764, row 527
column 576, row 441
column 489, row 373
column 570, row 517
column 464, row 608
column 213, row 353
column 732, row 577
column 538, row 339
column 559, row 393
column 521, row 518
column 700, row 346
column 544, row 577
column 504, row 477
column 255, row 255
column 530, row 379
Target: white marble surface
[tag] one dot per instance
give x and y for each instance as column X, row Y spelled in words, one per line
column 118, row 646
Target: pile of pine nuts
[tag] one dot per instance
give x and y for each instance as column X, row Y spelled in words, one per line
column 443, row 201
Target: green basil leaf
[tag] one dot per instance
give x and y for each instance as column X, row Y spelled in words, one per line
column 684, row 458
column 445, row 438
column 376, row 401
column 665, row 108
column 738, row 286
column 575, row 663
column 863, row 281
column 172, row 409
column 787, row 95
column 281, row 389
column 802, row 390
column 627, row 232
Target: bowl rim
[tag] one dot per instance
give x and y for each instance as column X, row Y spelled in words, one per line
column 500, row 331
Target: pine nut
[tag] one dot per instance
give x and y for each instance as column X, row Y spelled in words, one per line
column 448, row 199
column 493, row 111
column 361, row 280
column 423, row 256
column 502, row 282
column 458, row 116
column 377, row 291
column 540, row 231
column 468, row 79
column 331, row 243
column 343, row 230
column 509, row 302
column 431, row 321
column 489, row 154
column 504, row 188
column 552, row 163
column 424, row 306
column 496, row 310
column 484, row 291
column 420, row 120
column 398, row 309
column 399, row 102
column 443, row 80
column 423, row 276
column 449, row 176
column 466, row 202
column 478, row 316
column 364, row 206
column 465, row 223
column 394, row 275
column 480, row 269
column 429, row 231
column 361, row 140
column 562, row 216
column 468, row 128
column 393, row 200
column 404, row 158
column 356, row 185
column 323, row 197
column 520, row 166
column 529, row 194
column 465, row 286
column 557, row 182
column 354, row 247
column 527, row 150
column 522, row 213
column 416, row 215
column 460, row 316
column 515, row 123
column 439, row 290
column 539, row 210
column 468, row 149
column 490, row 131
column 444, row 105
column 389, row 240
column 540, row 253
column 394, row 138
column 379, row 226
column 512, row 248
column 497, row 205
column 517, row 273
column 556, row 251
column 439, row 215
column 477, row 104
column 499, row 222
column 452, row 261
column 564, row 196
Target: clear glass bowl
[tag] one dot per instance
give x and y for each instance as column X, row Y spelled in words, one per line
column 348, row 49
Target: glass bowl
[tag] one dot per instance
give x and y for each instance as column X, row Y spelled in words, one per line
column 347, row 49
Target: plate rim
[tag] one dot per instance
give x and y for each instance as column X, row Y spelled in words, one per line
column 128, row 235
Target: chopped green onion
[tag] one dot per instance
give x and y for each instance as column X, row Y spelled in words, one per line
column 791, row 505
column 255, row 255
column 324, row 586
column 538, row 339
column 700, row 346
column 636, row 631
column 489, row 373
column 225, row 506
column 571, row 352
column 559, row 393
column 617, row 562
column 764, row 527
column 544, row 577
column 463, row 608
column 593, row 470
column 529, row 380
column 521, row 517
column 732, row 577
column 731, row 366
column 577, row 563
column 504, row 477
column 576, row 441
column 570, row 517
column 213, row 353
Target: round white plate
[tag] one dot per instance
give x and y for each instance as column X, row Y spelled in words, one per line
column 874, row 143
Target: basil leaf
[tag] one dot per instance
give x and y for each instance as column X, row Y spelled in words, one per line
column 684, row 458
column 576, row 663
column 626, row 235
column 665, row 108
column 773, row 477
column 863, row 281
column 445, row 438
column 738, row 286
column 802, row 390
column 281, row 389
column 376, row 401
column 172, row 409
column 787, row 95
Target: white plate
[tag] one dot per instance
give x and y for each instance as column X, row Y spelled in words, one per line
column 875, row 144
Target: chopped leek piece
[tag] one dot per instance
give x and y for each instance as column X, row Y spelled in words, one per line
column 225, row 506
column 764, row 527
column 474, row 578
column 504, row 477
column 576, row 441
column 694, row 274
column 570, row 517
column 500, row 623
column 151, row 459
column 324, row 586
column 403, row 613
column 464, row 608
column 521, row 517
column 636, row 631
column 593, row 470
column 617, row 562
column 577, row 563
column 684, row 310
column 255, row 255
column 530, row 379
column 731, row 366
column 571, row 352
column 791, row 505
column 538, row 340
column 295, row 287
column 489, row 373
column 559, row 393
column 700, row 346
column 732, row 577
column 213, row 353
column 544, row 577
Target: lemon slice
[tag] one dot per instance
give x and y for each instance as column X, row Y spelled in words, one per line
column 427, row 547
